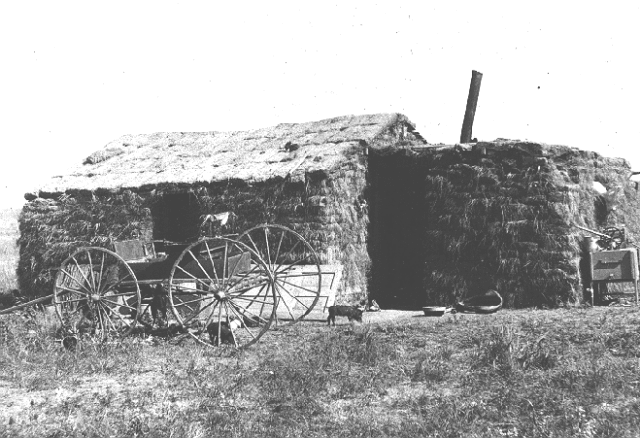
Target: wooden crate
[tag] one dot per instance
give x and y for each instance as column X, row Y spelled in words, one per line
column 618, row 265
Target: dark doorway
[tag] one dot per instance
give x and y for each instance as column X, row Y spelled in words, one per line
column 177, row 218
column 600, row 211
column 396, row 230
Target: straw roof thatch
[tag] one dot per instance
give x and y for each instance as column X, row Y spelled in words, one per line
column 286, row 150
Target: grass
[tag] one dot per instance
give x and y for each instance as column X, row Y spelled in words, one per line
column 8, row 249
column 567, row 372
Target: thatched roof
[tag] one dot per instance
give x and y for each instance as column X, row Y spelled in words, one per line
column 285, row 150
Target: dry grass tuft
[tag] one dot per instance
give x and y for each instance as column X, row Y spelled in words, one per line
column 8, row 249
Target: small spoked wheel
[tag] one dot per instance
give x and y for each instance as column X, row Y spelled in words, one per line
column 96, row 291
column 293, row 265
column 613, row 239
column 220, row 293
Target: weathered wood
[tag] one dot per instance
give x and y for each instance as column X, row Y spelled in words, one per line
column 472, row 102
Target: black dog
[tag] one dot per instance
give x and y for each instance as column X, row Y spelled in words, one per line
column 351, row 312
column 226, row 334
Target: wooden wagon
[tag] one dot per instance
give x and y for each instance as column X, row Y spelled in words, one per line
column 217, row 290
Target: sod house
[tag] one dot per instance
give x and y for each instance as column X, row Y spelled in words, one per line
column 411, row 223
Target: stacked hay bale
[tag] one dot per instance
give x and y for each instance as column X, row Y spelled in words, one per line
column 327, row 209
column 500, row 216
column 51, row 229
column 324, row 209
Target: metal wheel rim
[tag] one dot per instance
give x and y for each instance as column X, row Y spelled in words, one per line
column 226, row 296
column 85, row 287
column 283, row 270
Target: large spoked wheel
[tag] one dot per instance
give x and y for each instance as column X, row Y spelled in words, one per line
column 293, row 265
column 219, row 292
column 97, row 292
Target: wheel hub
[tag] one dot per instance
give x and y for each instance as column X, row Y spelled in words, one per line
column 220, row 295
column 95, row 298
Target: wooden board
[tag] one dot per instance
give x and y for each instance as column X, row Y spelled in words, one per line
column 619, row 265
column 305, row 284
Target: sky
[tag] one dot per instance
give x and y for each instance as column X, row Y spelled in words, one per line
column 77, row 75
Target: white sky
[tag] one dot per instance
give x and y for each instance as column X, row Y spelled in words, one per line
column 76, row 75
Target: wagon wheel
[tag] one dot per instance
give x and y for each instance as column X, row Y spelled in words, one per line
column 219, row 292
column 294, row 266
column 614, row 240
column 96, row 290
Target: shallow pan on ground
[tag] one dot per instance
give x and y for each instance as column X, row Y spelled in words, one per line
column 434, row 310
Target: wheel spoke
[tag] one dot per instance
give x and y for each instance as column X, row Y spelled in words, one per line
column 266, row 242
column 81, row 272
column 185, row 303
column 283, row 300
column 192, row 276
column 78, row 300
column 253, row 300
column 200, row 311
column 205, row 326
column 91, row 273
column 244, row 276
column 108, row 286
column 225, row 260
column 213, row 265
column 314, row 292
column 77, row 281
column 297, row 262
column 219, row 318
column 235, row 267
column 122, row 319
column 118, row 304
column 266, row 296
column 204, row 271
column 295, row 297
column 244, row 290
column 275, row 260
column 108, row 318
column 66, row 289
column 246, row 310
column 242, row 325
column 255, row 247
column 101, row 273
column 288, row 253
